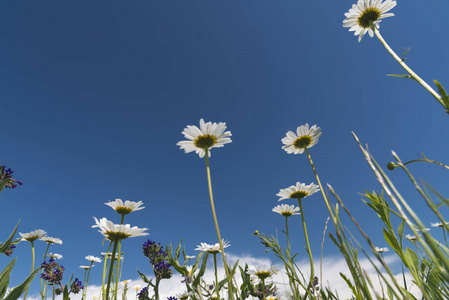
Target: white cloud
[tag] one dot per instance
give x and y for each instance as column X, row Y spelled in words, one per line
column 332, row 267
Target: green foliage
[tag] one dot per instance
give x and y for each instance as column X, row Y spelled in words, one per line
column 18, row 290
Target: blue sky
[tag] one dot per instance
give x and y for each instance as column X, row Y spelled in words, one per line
column 95, row 95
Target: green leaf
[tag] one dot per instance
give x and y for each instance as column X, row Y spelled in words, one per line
column 201, row 271
column 144, row 277
column 392, row 240
column 412, row 260
column 4, row 277
column 390, row 292
column 443, row 94
column 5, row 245
column 402, row 75
column 18, row 290
column 65, row 294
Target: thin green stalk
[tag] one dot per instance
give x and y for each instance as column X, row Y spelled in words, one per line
column 263, row 288
column 118, row 261
column 231, row 294
column 111, row 268
column 312, row 273
column 44, row 283
column 216, row 276
column 32, row 267
column 286, row 232
column 104, row 270
column 406, row 68
column 444, row 232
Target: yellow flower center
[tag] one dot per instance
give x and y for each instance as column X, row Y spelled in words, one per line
column 286, row 214
column 371, row 14
column 123, row 210
column 205, row 141
column 263, row 274
column 117, row 235
column 298, row 195
column 302, row 142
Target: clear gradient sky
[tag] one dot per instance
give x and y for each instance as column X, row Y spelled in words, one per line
column 95, row 94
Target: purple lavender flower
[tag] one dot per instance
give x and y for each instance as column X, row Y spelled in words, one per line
column 52, row 272
column 10, row 250
column 76, row 286
column 6, row 178
column 162, row 270
column 172, row 298
column 143, row 294
column 155, row 252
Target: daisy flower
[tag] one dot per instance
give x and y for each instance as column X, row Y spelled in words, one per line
column 55, row 256
column 184, row 295
column 190, row 256
column 301, row 190
column 209, row 135
column 118, row 231
column 92, row 258
column 286, row 210
column 365, row 12
column 213, row 249
column 85, row 267
column 262, row 273
column 438, row 224
column 51, row 240
column 33, row 235
column 381, row 250
column 305, row 137
column 411, row 237
column 125, row 208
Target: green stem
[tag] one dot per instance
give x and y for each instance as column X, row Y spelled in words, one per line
column 216, row 277
column 104, row 270
column 111, row 268
column 263, row 288
column 118, row 261
column 286, row 232
column 231, row 294
column 32, row 267
column 444, row 232
column 406, row 68
column 44, row 283
column 312, row 273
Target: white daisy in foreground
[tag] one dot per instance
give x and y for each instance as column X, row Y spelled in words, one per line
column 381, row 250
column 92, row 258
column 305, row 137
column 286, row 210
column 213, row 249
column 262, row 273
column 411, row 237
column 118, row 231
column 184, row 296
column 125, row 208
column 55, row 256
column 301, row 190
column 365, row 12
column 209, row 135
column 33, row 235
column 190, row 256
column 85, row 267
column 438, row 224
column 51, row 240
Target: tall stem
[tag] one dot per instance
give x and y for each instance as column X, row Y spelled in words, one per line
column 118, row 261
column 231, row 294
column 263, row 288
column 216, row 277
column 312, row 273
column 104, row 270
column 410, row 71
column 111, row 268
column 32, row 267
column 44, row 283
column 286, row 232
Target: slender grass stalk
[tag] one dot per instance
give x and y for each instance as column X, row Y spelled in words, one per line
column 111, row 267
column 216, row 276
column 43, row 282
column 231, row 294
column 118, row 261
column 32, row 267
column 104, row 270
column 286, row 233
column 406, row 68
column 312, row 272
column 263, row 288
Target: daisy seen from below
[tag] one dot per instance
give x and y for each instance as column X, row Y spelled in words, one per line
column 381, row 250
column 93, row 259
column 367, row 13
column 304, row 138
column 286, row 210
column 262, row 273
column 298, row 191
column 126, row 207
column 438, row 224
column 212, row 248
column 54, row 256
column 118, row 231
column 51, row 240
column 208, row 135
column 33, row 235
